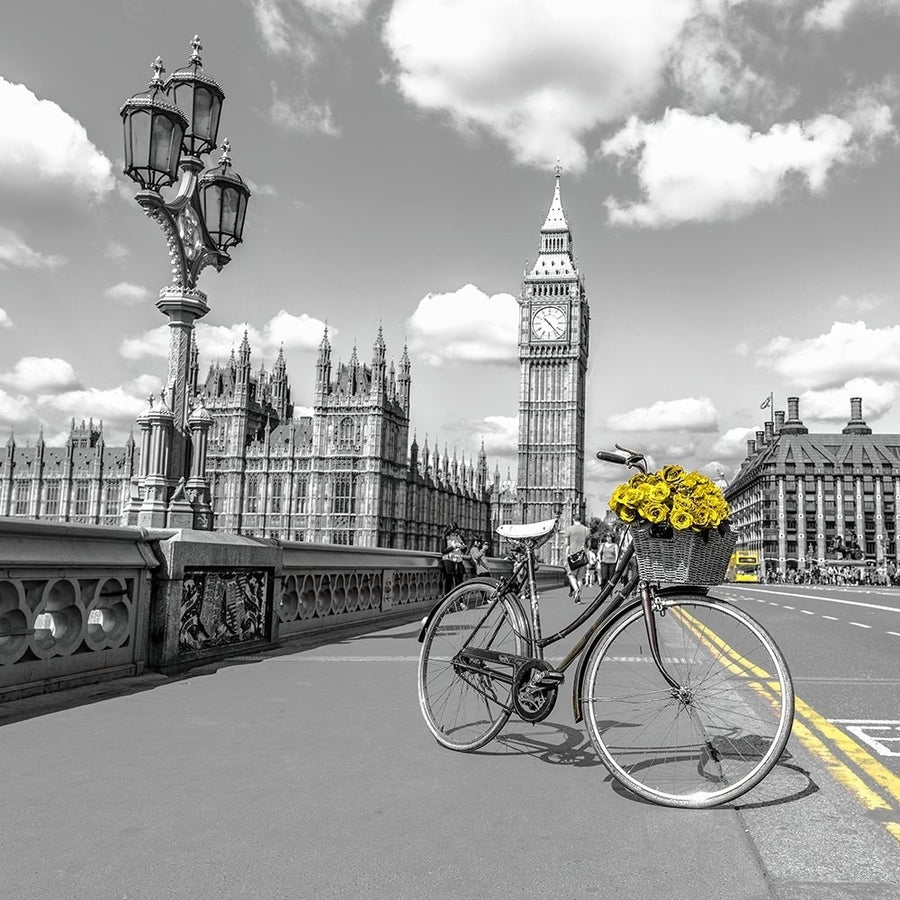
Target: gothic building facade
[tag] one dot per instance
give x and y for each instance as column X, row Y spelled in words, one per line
column 797, row 492
column 350, row 473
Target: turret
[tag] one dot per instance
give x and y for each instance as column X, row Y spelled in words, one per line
column 403, row 381
column 323, row 368
column 379, row 367
column 243, row 369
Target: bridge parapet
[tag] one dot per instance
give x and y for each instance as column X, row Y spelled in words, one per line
column 81, row 603
column 74, row 604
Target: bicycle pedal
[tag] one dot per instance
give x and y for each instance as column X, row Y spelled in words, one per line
column 549, row 679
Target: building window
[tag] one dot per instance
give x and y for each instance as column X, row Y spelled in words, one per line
column 342, row 538
column 300, row 495
column 23, row 493
column 252, row 504
column 112, row 499
column 82, row 498
column 342, row 499
column 277, row 494
column 217, row 491
column 51, row 500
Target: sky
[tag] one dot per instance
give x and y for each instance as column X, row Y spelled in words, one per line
column 729, row 173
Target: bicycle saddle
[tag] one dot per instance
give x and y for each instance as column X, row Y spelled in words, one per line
column 526, row 532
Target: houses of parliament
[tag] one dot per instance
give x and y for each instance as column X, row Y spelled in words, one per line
column 352, row 473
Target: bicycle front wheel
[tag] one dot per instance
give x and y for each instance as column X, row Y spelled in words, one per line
column 465, row 709
column 714, row 738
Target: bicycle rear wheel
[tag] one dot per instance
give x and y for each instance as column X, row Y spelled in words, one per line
column 716, row 738
column 466, row 709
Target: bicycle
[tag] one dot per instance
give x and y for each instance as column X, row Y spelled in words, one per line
column 687, row 700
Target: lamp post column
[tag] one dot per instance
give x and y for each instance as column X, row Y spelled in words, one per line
column 183, row 308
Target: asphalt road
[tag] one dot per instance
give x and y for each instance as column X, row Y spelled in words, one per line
column 308, row 772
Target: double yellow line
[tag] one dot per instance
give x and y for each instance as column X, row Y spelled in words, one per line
column 875, row 786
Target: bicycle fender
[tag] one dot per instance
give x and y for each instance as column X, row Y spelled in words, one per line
column 481, row 579
column 578, row 680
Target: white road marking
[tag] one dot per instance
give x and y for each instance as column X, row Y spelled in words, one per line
column 789, row 607
column 879, row 741
column 831, row 618
column 860, row 625
column 894, row 633
column 774, row 604
column 807, row 612
column 893, row 609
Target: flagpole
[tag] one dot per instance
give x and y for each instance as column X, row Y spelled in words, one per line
column 772, row 409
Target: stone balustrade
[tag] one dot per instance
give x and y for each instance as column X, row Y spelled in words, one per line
column 81, row 603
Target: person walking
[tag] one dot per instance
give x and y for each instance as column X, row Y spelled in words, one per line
column 576, row 555
column 452, row 557
column 609, row 556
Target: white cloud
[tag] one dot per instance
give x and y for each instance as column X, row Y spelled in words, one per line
column 301, row 332
column 115, row 250
column 686, row 414
column 702, row 168
column 303, row 115
column 5, row 320
column 301, row 412
column 465, row 325
column 113, row 404
column 742, row 348
column 126, row 293
column 709, row 68
column 537, row 75
column 281, row 36
column 340, row 14
column 13, row 410
column 36, row 374
column 14, row 252
column 828, row 360
column 501, row 435
column 832, row 15
column 732, row 444
column 46, row 147
column 861, row 304
column 833, row 404
column 261, row 190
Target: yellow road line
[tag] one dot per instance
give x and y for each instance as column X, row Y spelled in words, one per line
column 879, row 773
column 843, row 774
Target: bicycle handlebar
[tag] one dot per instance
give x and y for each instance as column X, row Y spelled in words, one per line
column 632, row 458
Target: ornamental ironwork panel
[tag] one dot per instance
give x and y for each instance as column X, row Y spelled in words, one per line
column 223, row 606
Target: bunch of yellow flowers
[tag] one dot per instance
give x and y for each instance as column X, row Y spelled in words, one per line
column 673, row 497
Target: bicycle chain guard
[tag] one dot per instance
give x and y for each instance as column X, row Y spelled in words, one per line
column 532, row 703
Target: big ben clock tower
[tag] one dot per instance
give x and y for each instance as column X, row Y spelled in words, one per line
column 554, row 327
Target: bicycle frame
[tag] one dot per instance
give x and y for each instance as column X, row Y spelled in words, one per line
column 473, row 659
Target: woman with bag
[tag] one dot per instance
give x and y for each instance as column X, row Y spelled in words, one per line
column 576, row 555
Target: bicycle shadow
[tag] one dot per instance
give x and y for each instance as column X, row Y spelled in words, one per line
column 557, row 744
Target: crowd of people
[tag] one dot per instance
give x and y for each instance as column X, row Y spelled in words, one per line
column 883, row 574
column 461, row 559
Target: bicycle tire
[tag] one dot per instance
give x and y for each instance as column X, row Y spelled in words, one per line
column 716, row 740
column 465, row 711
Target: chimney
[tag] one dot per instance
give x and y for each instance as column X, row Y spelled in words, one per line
column 751, row 448
column 760, row 439
column 792, row 424
column 770, row 434
column 856, row 425
column 779, row 420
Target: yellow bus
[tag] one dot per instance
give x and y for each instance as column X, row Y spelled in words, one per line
column 743, row 566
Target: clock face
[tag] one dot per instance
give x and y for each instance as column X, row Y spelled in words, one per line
column 548, row 323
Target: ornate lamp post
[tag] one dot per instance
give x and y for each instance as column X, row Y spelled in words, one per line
column 168, row 129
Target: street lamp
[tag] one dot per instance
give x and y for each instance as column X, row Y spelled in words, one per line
column 167, row 130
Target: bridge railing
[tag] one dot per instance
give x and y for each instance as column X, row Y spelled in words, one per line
column 82, row 603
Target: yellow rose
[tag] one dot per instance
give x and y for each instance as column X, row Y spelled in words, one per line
column 654, row 512
column 616, row 497
column 658, row 491
column 626, row 514
column 632, row 497
column 672, row 474
column 680, row 519
column 702, row 517
column 637, row 479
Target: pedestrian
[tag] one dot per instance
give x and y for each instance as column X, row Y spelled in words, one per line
column 479, row 557
column 452, row 557
column 609, row 556
column 576, row 555
column 590, row 573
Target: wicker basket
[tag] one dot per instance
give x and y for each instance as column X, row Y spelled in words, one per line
column 686, row 557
